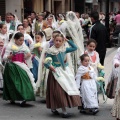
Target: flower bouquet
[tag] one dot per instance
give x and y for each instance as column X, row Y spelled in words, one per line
column 48, row 61
column 14, row 49
column 37, row 45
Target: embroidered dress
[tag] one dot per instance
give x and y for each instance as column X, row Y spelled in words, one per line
column 18, row 80
column 61, row 87
column 85, row 79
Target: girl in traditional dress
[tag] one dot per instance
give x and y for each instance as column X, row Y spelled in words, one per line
column 18, row 80
column 27, row 38
column 43, row 71
column 116, row 72
column 36, row 49
column 94, row 56
column 86, row 82
column 62, row 91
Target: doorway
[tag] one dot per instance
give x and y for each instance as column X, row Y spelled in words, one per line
column 28, row 7
column 57, row 7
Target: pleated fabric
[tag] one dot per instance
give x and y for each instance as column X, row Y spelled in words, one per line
column 56, row 97
column 17, row 85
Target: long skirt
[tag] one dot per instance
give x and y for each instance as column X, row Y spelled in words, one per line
column 1, row 76
column 43, row 84
column 89, row 93
column 34, row 70
column 17, row 85
column 116, row 106
column 56, row 97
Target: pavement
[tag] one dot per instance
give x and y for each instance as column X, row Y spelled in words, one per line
column 37, row 110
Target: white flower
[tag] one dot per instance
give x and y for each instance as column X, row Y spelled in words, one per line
column 37, row 45
column 14, row 48
column 48, row 60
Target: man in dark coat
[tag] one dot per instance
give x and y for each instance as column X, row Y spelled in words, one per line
column 99, row 33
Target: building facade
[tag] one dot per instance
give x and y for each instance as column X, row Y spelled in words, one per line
column 23, row 7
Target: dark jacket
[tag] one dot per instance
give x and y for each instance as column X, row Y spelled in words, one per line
column 100, row 34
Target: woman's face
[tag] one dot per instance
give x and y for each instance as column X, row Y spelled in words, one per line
column 19, row 41
column 21, row 29
column 49, row 20
column 3, row 30
column 58, row 42
column 25, row 22
column 30, row 20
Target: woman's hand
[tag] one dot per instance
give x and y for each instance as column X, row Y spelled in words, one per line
column 116, row 65
column 52, row 68
column 40, row 49
column 66, row 39
column 10, row 56
column 29, row 41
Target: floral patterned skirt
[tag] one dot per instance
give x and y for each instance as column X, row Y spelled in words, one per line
column 116, row 107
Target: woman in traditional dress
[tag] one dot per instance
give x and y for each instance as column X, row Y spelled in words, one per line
column 18, row 80
column 1, row 66
column 72, row 30
column 4, row 33
column 62, row 91
column 26, row 26
column 116, row 72
column 51, row 22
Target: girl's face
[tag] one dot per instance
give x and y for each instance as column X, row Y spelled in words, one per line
column 85, row 62
column 3, row 30
column 58, row 41
column 38, row 38
column 91, row 47
column 19, row 41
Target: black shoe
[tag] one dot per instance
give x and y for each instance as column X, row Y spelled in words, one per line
column 22, row 103
column 12, row 102
column 95, row 111
column 55, row 112
column 66, row 115
column 83, row 111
